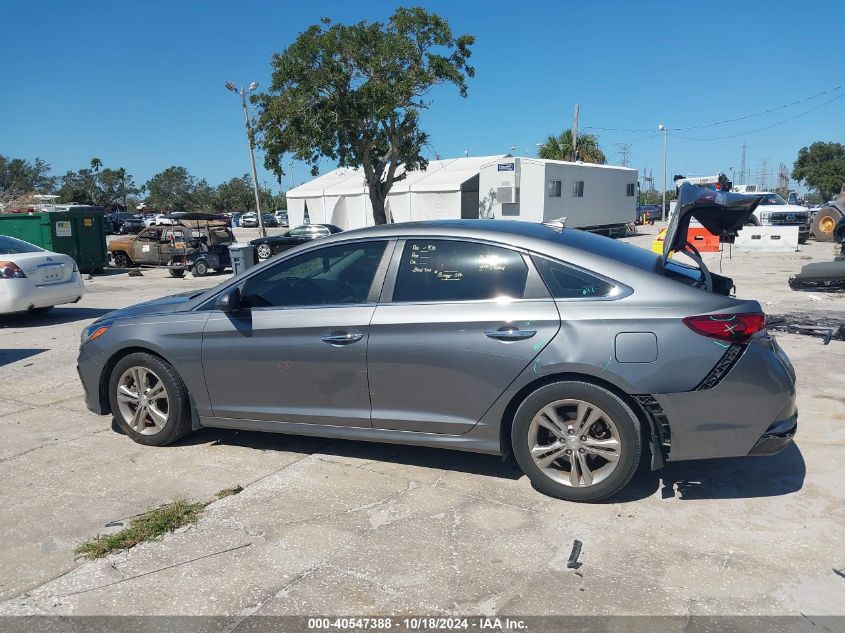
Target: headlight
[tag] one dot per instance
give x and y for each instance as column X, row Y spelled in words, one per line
column 765, row 215
column 93, row 331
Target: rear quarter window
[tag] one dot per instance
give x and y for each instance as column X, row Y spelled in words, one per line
column 567, row 282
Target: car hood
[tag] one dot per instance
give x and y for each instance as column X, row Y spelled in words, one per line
column 782, row 208
column 719, row 212
column 163, row 305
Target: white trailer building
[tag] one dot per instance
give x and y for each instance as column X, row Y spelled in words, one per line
column 501, row 186
column 538, row 190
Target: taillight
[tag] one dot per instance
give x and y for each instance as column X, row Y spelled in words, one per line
column 733, row 328
column 10, row 270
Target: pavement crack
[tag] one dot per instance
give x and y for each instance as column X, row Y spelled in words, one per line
column 46, row 444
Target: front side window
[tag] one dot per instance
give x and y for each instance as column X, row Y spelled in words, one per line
column 451, row 270
column 566, row 282
column 333, row 275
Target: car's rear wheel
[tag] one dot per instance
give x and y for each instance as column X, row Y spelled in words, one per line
column 576, row 441
column 264, row 251
column 149, row 400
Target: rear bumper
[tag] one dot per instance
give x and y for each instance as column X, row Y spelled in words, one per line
column 752, row 410
column 777, row 437
column 19, row 295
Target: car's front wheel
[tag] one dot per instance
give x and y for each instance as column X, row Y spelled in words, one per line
column 264, row 251
column 149, row 400
column 576, row 441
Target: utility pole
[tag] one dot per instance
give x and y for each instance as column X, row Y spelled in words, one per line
column 243, row 92
column 662, row 128
column 742, row 172
column 763, row 178
column 624, row 150
column 575, row 135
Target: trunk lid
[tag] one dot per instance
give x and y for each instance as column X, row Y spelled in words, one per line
column 720, row 212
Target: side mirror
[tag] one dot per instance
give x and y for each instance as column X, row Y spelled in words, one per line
column 229, row 301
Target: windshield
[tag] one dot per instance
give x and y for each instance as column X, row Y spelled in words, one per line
column 12, row 246
column 772, row 199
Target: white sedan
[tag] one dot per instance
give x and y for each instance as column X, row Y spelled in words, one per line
column 32, row 279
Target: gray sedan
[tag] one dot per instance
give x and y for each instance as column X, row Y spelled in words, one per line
column 579, row 355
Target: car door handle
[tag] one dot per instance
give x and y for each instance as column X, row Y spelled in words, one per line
column 509, row 333
column 341, row 338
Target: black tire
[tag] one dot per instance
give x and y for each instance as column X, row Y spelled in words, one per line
column 625, row 421
column 177, row 272
column 121, row 260
column 824, row 224
column 178, row 422
column 199, row 269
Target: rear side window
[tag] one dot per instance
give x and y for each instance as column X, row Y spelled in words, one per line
column 13, row 246
column 451, row 270
column 566, row 282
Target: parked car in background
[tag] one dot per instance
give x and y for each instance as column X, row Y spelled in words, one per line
column 160, row 219
column 648, row 213
column 774, row 211
column 122, row 222
column 282, row 217
column 457, row 334
column 161, row 245
column 33, row 279
column 274, row 244
column 270, row 220
column 249, row 220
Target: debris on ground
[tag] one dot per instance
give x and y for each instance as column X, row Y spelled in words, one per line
column 228, row 492
column 821, row 277
column 825, row 327
column 573, row 563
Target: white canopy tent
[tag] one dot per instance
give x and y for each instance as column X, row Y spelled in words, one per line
column 341, row 197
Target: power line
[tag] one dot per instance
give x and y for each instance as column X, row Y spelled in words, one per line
column 761, row 129
column 724, row 121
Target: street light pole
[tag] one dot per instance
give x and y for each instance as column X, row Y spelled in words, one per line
column 243, row 92
column 663, row 129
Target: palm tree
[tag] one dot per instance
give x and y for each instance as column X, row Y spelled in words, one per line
column 96, row 163
column 560, row 148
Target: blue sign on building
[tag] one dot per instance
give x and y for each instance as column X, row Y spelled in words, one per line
column 505, row 166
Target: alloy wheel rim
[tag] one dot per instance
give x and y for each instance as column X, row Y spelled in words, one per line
column 263, row 251
column 143, row 400
column 574, row 443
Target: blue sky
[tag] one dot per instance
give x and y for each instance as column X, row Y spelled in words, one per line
column 140, row 84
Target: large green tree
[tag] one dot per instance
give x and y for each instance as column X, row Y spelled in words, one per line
column 80, row 186
column 236, row 194
column 560, row 147
column 19, row 176
column 821, row 167
column 354, row 93
column 116, row 187
column 171, row 189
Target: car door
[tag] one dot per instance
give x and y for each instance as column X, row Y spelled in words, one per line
column 458, row 321
column 145, row 248
column 296, row 349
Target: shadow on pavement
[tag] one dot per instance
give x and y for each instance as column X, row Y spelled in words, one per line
column 9, row 356
column 727, row 478
column 419, row 456
column 55, row 316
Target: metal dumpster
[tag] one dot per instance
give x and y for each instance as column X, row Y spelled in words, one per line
column 78, row 231
column 243, row 257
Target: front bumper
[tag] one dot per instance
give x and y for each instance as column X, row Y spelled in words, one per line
column 89, row 366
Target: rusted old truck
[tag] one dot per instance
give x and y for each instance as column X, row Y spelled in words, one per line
column 194, row 244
